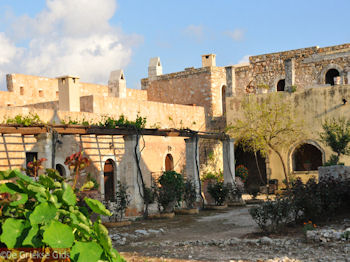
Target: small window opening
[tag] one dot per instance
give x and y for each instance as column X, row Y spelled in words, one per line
column 158, row 64
column 330, row 75
column 206, row 56
column 73, row 80
column 41, row 93
column 21, row 90
column 281, row 85
column 9, row 104
column 122, row 76
column 57, row 94
column 61, row 170
column 63, row 81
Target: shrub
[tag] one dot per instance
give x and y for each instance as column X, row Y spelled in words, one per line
column 272, row 216
column 253, row 190
column 170, row 191
column 217, row 176
column 190, row 194
column 44, row 213
column 122, row 199
column 219, row 192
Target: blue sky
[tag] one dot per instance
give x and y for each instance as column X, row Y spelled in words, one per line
column 90, row 38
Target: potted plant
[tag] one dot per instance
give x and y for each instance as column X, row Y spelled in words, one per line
column 207, row 179
column 170, row 191
column 219, row 192
column 190, row 198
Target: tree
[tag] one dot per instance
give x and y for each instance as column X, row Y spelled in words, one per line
column 336, row 135
column 268, row 124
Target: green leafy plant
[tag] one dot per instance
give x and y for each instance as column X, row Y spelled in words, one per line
column 28, row 120
column 217, row 176
column 308, row 226
column 219, row 192
column 95, row 185
column 122, row 200
column 263, row 86
column 170, row 190
column 336, row 135
column 45, row 213
column 293, row 89
column 139, row 123
column 272, row 216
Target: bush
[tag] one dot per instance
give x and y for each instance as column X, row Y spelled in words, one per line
column 242, row 172
column 272, row 216
column 44, row 213
column 170, row 191
column 253, row 190
column 122, row 199
column 219, row 192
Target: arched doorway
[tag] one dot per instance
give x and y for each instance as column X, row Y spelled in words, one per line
column 281, row 85
column 223, row 97
column 61, row 170
column 108, row 172
column 306, row 157
column 169, row 162
column 247, row 159
column 331, row 73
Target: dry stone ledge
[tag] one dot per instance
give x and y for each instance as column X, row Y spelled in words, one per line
column 328, row 235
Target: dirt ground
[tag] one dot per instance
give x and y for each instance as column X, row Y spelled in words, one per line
column 207, row 225
column 181, row 239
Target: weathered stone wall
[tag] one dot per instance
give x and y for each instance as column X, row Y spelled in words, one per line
column 136, row 94
column 157, row 114
column 311, row 65
column 201, row 86
column 338, row 172
column 314, row 106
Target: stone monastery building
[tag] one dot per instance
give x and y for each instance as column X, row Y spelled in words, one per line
column 202, row 99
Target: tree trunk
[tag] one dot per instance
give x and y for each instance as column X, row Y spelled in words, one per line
column 257, row 165
column 284, row 166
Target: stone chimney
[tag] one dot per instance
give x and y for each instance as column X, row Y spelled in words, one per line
column 208, row 60
column 69, row 93
column 117, row 84
column 154, row 68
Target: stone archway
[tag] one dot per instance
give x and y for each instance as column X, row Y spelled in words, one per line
column 60, row 168
column 281, row 85
column 307, row 157
column 330, row 75
column 109, row 172
column 169, row 163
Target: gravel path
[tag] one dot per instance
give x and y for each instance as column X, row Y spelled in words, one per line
column 219, row 236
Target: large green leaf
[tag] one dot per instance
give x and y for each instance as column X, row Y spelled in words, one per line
column 37, row 189
column 46, row 181
column 103, row 237
column 86, row 252
column 10, row 188
column 11, row 231
column 88, row 185
column 32, row 239
column 43, row 213
column 8, row 174
column 25, row 178
column 97, row 207
column 58, row 235
column 18, row 199
column 68, row 195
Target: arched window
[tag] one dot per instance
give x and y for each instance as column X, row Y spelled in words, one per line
column 330, row 75
column 223, row 98
column 108, row 171
column 169, row 162
column 61, row 170
column 281, row 85
column 306, row 157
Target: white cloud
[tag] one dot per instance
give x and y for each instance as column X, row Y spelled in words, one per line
column 244, row 59
column 195, row 32
column 68, row 37
column 236, row 35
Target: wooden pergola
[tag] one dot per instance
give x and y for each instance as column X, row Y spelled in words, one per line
column 96, row 130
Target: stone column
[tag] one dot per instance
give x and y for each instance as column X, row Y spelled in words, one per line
column 131, row 174
column 230, row 81
column 192, row 163
column 228, row 154
column 289, row 67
